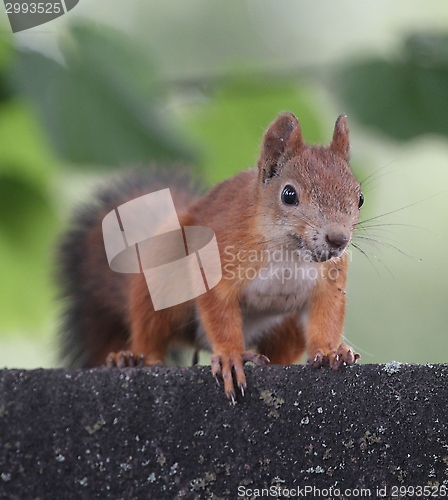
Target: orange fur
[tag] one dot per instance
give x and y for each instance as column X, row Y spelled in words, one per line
column 327, row 310
column 286, row 342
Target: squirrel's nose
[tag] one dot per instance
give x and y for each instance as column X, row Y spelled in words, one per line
column 337, row 240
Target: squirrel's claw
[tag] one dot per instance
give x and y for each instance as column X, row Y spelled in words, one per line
column 127, row 359
column 256, row 359
column 318, row 360
column 231, row 396
column 346, row 356
column 224, row 365
column 343, row 355
column 242, row 388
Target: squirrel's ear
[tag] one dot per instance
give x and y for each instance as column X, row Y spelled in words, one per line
column 283, row 133
column 340, row 143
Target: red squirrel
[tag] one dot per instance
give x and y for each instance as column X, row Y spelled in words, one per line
column 282, row 231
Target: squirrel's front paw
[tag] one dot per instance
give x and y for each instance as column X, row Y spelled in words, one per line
column 127, row 359
column 343, row 355
column 222, row 365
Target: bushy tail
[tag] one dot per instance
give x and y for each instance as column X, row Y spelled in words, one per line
column 95, row 298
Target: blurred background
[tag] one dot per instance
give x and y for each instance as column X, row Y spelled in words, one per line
column 115, row 83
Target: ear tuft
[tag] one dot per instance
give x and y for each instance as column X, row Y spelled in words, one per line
column 282, row 132
column 340, row 143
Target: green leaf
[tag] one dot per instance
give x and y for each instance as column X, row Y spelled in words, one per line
column 231, row 124
column 23, row 147
column 6, row 50
column 402, row 98
column 6, row 55
column 103, row 106
column 28, row 220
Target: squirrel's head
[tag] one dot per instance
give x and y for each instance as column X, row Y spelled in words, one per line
column 310, row 197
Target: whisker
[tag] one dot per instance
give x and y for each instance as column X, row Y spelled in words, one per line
column 360, row 223
column 365, row 252
column 371, row 181
column 376, row 232
column 385, row 240
column 354, row 245
column 363, row 182
column 388, row 245
column 401, row 225
column 358, row 349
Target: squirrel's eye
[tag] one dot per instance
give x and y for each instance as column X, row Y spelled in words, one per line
column 361, row 200
column 289, row 195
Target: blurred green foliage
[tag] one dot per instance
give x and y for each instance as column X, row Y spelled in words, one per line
column 231, row 125
column 404, row 97
column 28, row 219
column 104, row 105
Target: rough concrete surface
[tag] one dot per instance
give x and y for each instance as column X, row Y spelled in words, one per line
column 170, row 433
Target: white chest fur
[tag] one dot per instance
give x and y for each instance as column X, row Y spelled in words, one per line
column 276, row 290
column 279, row 288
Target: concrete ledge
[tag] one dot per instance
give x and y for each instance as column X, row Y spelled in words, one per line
column 170, row 433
